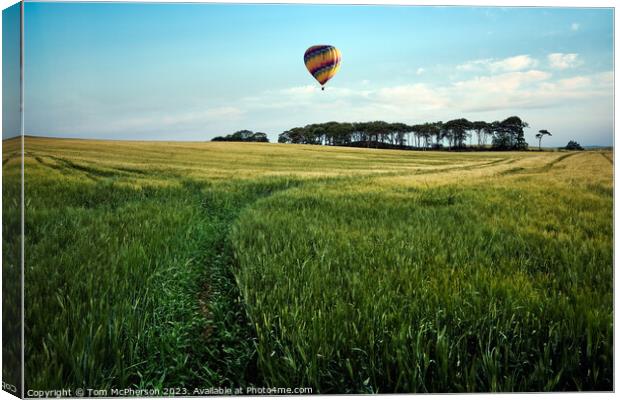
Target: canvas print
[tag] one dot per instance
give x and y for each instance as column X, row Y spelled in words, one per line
column 207, row 199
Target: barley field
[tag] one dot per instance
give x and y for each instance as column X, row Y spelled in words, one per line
column 346, row 270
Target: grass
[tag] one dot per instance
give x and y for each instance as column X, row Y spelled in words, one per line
column 153, row 265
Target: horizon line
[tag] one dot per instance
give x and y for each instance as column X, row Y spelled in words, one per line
column 210, row 140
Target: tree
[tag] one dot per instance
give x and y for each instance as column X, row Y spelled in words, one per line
column 259, row 137
column 456, row 131
column 377, row 130
column 284, row 137
column 487, row 131
column 508, row 134
column 399, row 129
column 340, row 133
column 296, row 135
column 572, row 145
column 424, row 132
column 481, row 127
column 241, row 135
column 245, row 136
column 540, row 135
column 438, row 132
column 501, row 139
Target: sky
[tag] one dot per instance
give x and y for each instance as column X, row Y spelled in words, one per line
column 195, row 71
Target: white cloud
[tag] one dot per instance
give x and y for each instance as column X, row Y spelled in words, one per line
column 420, row 71
column 509, row 91
column 153, row 121
column 503, row 82
column 192, row 117
column 500, row 87
column 580, row 86
column 516, row 63
column 475, row 65
column 421, row 96
column 296, row 90
column 486, row 96
column 564, row 60
column 574, row 26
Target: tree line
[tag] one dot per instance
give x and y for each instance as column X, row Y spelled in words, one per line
column 455, row 134
column 243, row 136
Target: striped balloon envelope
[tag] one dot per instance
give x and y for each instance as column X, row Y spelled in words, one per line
column 323, row 62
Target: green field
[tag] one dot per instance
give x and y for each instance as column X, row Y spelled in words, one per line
column 177, row 264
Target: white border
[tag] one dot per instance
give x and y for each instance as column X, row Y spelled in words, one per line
column 464, row 3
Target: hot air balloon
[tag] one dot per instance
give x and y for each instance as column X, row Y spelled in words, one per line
column 322, row 62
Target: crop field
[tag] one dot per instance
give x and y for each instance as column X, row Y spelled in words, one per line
column 346, row 270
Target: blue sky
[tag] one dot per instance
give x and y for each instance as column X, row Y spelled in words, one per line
column 194, row 71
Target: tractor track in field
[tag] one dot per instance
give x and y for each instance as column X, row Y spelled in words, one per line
column 230, row 333
column 550, row 165
column 219, row 299
column 229, row 336
column 536, row 170
column 67, row 166
column 468, row 167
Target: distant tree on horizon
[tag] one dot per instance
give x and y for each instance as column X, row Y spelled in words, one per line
column 243, row 136
column 540, row 135
column 456, row 131
column 481, row 128
column 506, row 135
column 573, row 145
